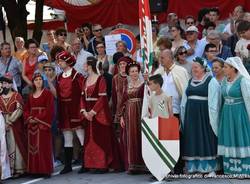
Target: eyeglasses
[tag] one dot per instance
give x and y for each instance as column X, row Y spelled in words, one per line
column 190, row 23
column 98, row 30
column 34, row 47
column 63, row 34
column 183, row 52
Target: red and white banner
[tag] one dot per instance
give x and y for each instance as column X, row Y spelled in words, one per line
column 111, row 12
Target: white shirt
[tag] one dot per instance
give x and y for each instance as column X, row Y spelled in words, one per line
column 198, row 51
column 67, row 73
column 227, row 29
column 81, row 59
column 241, row 48
column 169, row 88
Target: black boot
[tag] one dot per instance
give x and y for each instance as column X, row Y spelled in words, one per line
column 83, row 169
column 68, row 153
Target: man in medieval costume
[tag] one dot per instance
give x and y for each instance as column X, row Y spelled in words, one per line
column 69, row 85
column 4, row 159
column 11, row 105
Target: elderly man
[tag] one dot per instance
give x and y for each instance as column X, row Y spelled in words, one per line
column 223, row 50
column 172, row 19
column 175, row 79
column 80, row 55
column 10, row 64
column 195, row 47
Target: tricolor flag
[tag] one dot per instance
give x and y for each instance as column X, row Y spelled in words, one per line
column 146, row 46
column 146, row 34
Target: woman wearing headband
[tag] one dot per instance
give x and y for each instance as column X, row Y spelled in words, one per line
column 234, row 126
column 199, row 117
column 38, row 114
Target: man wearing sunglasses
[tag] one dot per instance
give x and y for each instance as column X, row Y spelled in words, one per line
column 61, row 37
column 98, row 38
column 195, row 47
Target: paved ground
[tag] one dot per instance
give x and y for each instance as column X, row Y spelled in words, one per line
column 116, row 178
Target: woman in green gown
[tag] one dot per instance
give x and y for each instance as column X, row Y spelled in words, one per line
column 234, row 126
column 199, row 121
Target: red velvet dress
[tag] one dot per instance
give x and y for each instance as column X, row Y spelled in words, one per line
column 101, row 147
column 40, row 154
column 131, row 111
column 119, row 87
column 69, row 97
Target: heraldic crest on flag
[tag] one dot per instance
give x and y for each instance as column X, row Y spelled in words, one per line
column 160, row 136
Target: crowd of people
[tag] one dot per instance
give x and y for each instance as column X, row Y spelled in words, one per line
column 67, row 103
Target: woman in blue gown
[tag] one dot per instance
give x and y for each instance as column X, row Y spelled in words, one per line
column 234, row 126
column 200, row 118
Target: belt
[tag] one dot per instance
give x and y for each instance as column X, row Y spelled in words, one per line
column 195, row 97
column 135, row 100
column 233, row 101
column 66, row 100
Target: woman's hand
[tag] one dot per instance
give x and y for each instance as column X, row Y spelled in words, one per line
column 122, row 123
column 32, row 121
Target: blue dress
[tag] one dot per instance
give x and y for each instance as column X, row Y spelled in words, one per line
column 234, row 129
column 199, row 140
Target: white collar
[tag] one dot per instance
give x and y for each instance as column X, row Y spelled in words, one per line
column 67, row 73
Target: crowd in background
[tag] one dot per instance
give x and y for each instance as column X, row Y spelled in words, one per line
column 67, row 103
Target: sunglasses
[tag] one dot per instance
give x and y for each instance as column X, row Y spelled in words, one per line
column 98, row 30
column 184, row 52
column 190, row 23
column 63, row 34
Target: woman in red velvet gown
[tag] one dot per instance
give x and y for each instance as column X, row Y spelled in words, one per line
column 38, row 114
column 130, row 119
column 101, row 147
column 119, row 86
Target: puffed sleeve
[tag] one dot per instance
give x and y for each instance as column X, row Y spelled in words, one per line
column 18, row 111
column 123, row 103
column 27, row 109
column 103, row 99
column 83, row 99
column 245, row 90
column 183, row 106
column 114, row 95
column 214, row 104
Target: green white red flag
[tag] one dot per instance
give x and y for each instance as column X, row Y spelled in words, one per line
column 146, row 34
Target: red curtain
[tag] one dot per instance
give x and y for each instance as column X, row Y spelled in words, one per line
column 111, row 12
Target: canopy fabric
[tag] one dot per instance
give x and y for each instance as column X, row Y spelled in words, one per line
column 111, row 12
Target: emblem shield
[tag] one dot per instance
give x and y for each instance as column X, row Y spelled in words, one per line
column 160, row 145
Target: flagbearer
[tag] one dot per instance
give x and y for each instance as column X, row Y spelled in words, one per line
column 159, row 104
